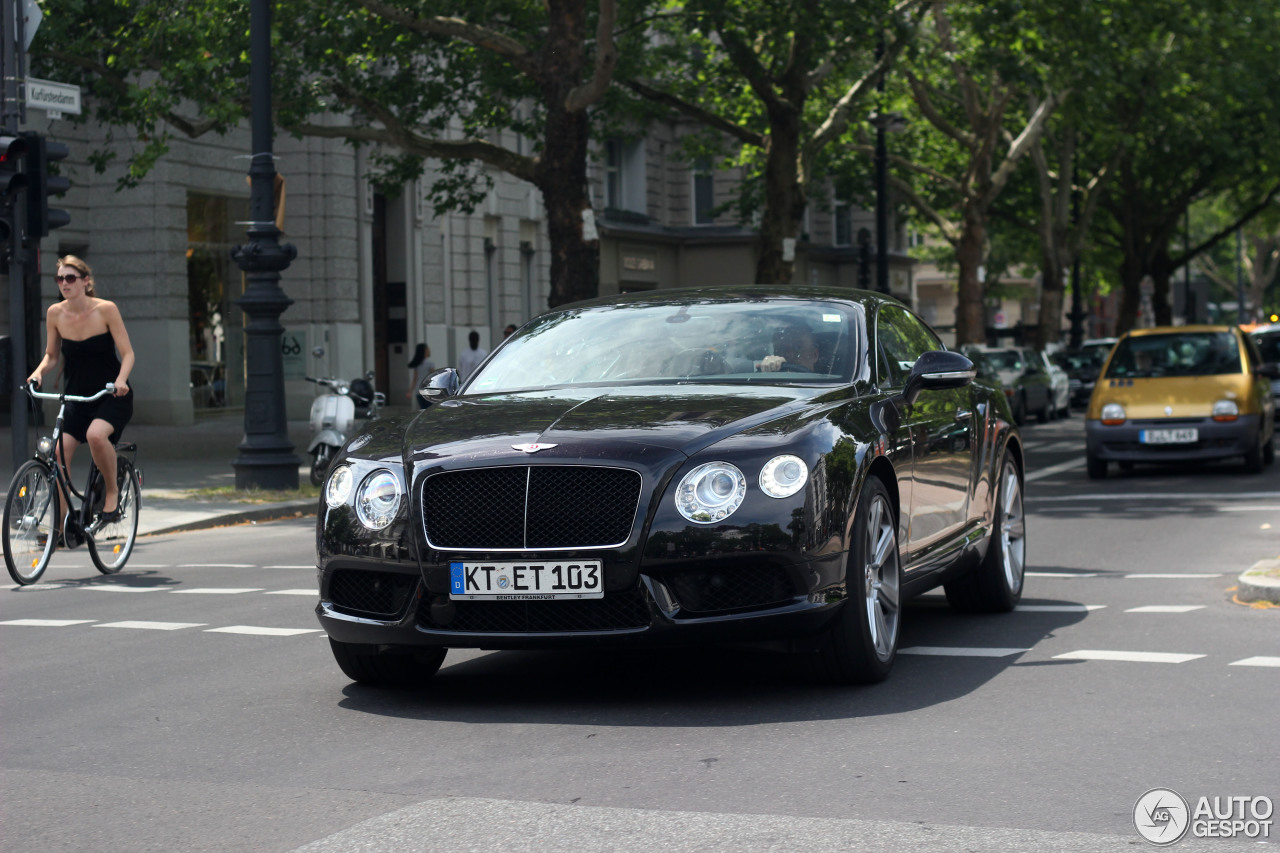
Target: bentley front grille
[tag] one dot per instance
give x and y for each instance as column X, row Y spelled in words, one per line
column 530, row 507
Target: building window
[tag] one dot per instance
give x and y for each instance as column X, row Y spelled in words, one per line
column 843, row 224
column 624, row 177
column 213, row 283
column 704, row 196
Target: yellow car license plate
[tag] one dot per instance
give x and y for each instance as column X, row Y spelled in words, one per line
column 1169, row 436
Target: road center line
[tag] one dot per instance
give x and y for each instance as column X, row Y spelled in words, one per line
column 47, row 623
column 949, row 651
column 1166, row 608
column 312, row 593
column 262, row 632
column 1257, row 661
column 1173, row 575
column 215, row 590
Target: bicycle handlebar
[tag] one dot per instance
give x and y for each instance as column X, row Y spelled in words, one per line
column 31, row 387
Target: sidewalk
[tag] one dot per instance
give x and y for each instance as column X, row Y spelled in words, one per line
column 175, row 460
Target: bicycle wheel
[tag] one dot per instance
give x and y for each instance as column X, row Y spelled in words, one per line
column 30, row 522
column 111, row 545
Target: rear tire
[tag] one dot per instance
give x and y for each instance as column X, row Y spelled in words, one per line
column 111, row 545
column 378, row 667
column 862, row 641
column 995, row 586
column 30, row 522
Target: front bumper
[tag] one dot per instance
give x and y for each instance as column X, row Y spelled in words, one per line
column 1215, row 440
column 393, row 606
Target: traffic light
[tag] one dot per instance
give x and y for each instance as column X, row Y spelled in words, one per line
column 12, row 180
column 41, row 218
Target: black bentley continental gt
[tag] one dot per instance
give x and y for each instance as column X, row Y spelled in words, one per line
column 683, row 466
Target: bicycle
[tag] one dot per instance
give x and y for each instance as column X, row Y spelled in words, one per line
column 30, row 530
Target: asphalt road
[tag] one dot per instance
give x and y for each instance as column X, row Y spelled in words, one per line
column 191, row 703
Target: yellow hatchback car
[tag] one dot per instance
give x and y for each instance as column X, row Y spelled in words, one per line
column 1182, row 394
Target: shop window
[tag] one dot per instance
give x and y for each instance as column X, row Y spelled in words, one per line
column 214, row 282
column 704, row 196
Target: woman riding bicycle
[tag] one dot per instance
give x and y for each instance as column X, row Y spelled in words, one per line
column 89, row 332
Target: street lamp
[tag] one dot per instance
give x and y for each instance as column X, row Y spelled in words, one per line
column 884, row 123
column 266, row 457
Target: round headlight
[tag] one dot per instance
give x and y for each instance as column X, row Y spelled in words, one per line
column 783, row 476
column 1225, row 410
column 378, row 499
column 1113, row 414
column 339, row 488
column 711, row 492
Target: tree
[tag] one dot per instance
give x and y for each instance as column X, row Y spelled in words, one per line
column 784, row 82
column 975, row 67
column 1194, row 104
column 425, row 78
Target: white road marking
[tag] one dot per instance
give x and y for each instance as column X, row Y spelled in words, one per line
column 1061, row 574
column 950, row 651
column 313, row 593
column 1166, row 608
column 1248, row 509
column 1134, row 657
column 1256, row 661
column 216, row 566
column 262, row 632
column 1165, row 575
column 150, row 626
column 1058, row 608
column 1162, row 496
column 107, row 587
column 289, row 567
column 47, row 623
column 215, row 590
column 1058, row 446
column 1054, row 469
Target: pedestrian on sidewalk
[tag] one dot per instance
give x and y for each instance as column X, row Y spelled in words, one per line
column 420, row 367
column 470, row 359
column 89, row 332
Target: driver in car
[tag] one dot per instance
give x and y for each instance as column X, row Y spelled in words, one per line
column 794, row 349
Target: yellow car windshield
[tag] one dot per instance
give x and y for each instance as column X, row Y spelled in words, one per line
column 1175, row 354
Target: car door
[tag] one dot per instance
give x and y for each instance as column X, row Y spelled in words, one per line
column 940, row 425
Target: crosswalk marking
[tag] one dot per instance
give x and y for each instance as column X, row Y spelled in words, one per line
column 949, row 651
column 1061, row 574
column 215, row 590
column 150, row 626
column 1166, row 608
column 1257, row 661
column 1055, row 469
column 1134, row 657
column 1170, row 575
column 106, row 587
column 47, row 623
column 1058, row 608
column 312, row 593
column 263, row 632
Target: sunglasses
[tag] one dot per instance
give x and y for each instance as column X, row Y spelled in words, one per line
column 72, row 278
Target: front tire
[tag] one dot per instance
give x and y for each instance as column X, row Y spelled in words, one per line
column 320, row 463
column 30, row 522
column 111, row 544
column 995, row 586
column 377, row 667
column 862, row 642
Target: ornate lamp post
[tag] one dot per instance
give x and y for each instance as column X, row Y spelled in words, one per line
column 266, row 457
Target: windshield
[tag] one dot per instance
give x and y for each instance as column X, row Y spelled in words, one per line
column 1176, row 354
column 1005, row 359
column 685, row 341
column 1088, row 358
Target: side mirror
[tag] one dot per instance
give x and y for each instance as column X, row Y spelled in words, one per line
column 439, row 385
column 938, row 370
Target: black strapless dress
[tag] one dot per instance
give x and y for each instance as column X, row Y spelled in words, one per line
column 89, row 365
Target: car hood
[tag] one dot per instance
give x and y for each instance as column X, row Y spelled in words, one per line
column 1174, row 396
column 613, row 424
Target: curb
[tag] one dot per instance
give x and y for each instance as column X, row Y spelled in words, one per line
column 295, row 509
column 1260, row 582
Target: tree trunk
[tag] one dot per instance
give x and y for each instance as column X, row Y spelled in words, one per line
column 562, row 168
column 1161, row 299
column 1050, row 327
column 784, row 197
column 1131, row 275
column 971, row 326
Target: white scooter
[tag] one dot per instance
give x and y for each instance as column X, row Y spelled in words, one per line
column 333, row 415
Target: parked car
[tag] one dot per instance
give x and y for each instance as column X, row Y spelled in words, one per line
column 1060, row 384
column 1268, row 341
column 684, row 466
column 1181, row 394
column 1083, row 366
column 1026, row 381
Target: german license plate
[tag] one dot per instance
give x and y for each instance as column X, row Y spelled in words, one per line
column 543, row 581
column 1169, row 436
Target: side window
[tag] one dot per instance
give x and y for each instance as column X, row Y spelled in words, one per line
column 903, row 339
